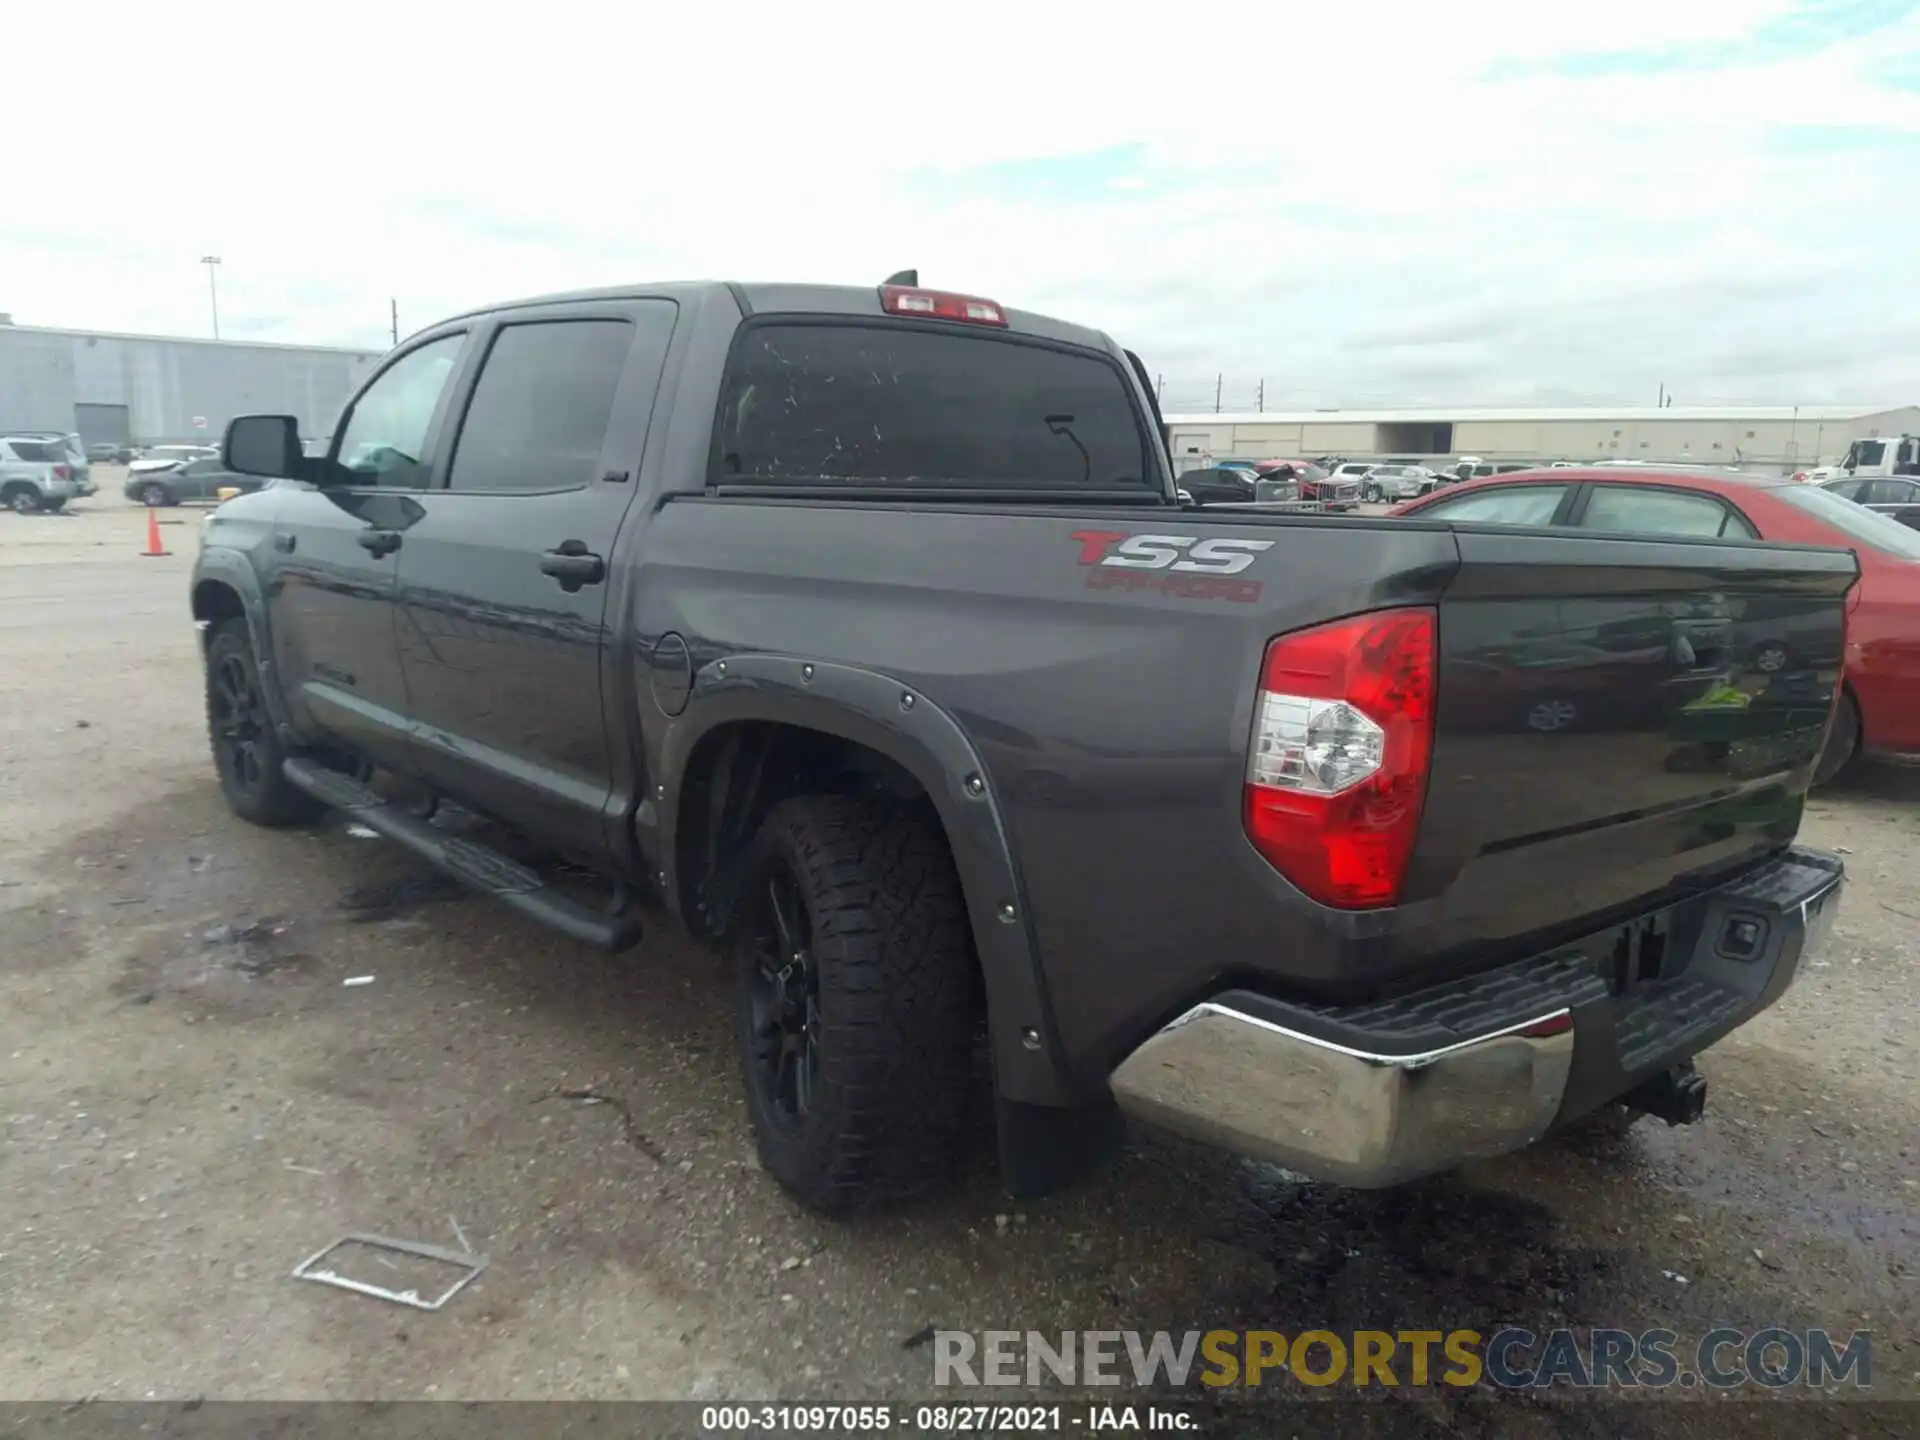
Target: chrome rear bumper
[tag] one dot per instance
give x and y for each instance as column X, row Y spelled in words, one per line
column 1344, row 1115
column 1382, row 1092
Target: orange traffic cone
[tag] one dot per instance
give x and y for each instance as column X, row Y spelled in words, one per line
column 153, row 534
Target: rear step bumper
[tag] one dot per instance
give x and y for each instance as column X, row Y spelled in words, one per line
column 486, row 870
column 1375, row 1094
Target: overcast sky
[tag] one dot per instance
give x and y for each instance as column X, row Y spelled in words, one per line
column 1474, row 202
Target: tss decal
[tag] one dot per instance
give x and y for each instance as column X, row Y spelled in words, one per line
column 1187, row 566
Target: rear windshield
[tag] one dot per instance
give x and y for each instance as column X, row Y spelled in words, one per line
column 862, row 405
column 38, row 449
column 1869, row 527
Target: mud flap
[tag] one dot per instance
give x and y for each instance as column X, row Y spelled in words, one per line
column 1046, row 1148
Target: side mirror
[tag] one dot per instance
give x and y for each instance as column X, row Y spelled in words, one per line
column 263, row 445
column 1185, row 496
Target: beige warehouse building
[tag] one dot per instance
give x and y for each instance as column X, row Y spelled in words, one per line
column 1786, row 437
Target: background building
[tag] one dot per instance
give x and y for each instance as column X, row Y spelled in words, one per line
column 1763, row 436
column 148, row 388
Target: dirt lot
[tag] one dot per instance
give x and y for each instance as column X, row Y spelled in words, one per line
column 191, row 1101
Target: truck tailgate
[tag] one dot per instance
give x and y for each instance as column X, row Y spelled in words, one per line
column 1617, row 718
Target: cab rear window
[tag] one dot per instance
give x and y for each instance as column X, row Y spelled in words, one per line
column 863, row 406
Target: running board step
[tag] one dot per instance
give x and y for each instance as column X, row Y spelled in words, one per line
column 485, row 869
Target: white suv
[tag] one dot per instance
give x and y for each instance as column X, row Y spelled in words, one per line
column 38, row 473
column 1396, row 482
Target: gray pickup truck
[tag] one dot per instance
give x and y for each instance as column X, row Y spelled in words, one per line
column 865, row 632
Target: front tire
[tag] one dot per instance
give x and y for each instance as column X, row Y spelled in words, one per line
column 155, row 496
column 855, row 1000
column 1842, row 741
column 247, row 751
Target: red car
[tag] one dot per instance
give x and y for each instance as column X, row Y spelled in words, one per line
column 1879, row 709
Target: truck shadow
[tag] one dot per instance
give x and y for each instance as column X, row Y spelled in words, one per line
column 1172, row 1236
column 1867, row 780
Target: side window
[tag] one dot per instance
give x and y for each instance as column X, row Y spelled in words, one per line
column 1888, row 492
column 1509, row 505
column 387, row 431
column 538, row 416
column 1848, row 489
column 1643, row 510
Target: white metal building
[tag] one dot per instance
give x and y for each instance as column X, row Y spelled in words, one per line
column 1762, row 436
column 147, row 388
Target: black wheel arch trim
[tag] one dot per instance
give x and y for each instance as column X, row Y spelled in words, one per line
column 872, row 709
column 236, row 573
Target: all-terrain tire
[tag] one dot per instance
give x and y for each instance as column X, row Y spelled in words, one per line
column 896, row 999
column 247, row 751
column 1842, row 740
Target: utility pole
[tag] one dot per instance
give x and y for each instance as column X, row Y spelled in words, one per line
column 1218, row 381
column 1660, row 401
column 1160, row 388
column 213, row 291
column 1260, row 403
column 394, row 307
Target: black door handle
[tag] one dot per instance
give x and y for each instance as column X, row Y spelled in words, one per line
column 573, row 565
column 380, row 542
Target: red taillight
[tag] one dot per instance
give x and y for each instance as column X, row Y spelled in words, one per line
column 1337, row 768
column 60, row 472
column 940, row 305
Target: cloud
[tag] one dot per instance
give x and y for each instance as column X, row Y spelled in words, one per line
column 1477, row 203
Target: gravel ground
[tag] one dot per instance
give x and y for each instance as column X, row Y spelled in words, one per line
column 191, row 1101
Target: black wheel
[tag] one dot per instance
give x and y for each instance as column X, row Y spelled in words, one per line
column 246, row 751
column 855, row 1000
column 1842, row 740
column 156, row 496
column 23, row 501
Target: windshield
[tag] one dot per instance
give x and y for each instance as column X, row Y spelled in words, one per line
column 1865, row 452
column 1856, row 522
column 866, row 405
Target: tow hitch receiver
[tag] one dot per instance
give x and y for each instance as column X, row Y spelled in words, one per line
column 1677, row 1096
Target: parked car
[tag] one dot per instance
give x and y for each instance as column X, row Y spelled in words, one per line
column 162, row 457
column 38, row 474
column 105, row 452
column 1289, row 470
column 1396, row 482
column 859, row 627
column 195, row 480
column 1898, row 498
column 1221, row 484
column 1472, row 467
column 1877, row 712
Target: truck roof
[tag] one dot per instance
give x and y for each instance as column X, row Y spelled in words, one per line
column 788, row 298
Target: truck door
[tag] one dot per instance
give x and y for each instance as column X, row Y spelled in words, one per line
column 503, row 581
column 336, row 546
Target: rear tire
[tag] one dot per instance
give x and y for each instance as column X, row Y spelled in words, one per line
column 247, row 751
column 23, row 500
column 855, row 1000
column 1843, row 740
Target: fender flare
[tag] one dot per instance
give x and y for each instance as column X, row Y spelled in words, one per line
column 896, row 721
column 232, row 569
